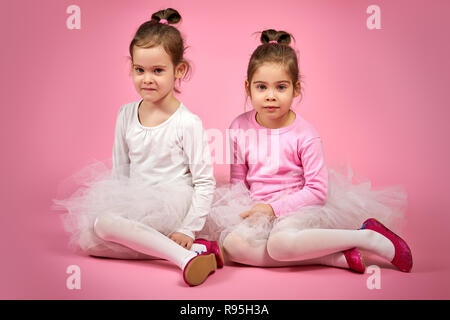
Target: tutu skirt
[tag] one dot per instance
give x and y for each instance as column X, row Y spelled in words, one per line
column 348, row 205
column 162, row 206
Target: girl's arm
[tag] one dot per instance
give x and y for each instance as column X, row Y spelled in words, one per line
column 196, row 149
column 120, row 158
column 238, row 166
column 315, row 189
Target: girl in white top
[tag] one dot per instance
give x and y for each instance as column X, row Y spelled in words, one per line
column 161, row 186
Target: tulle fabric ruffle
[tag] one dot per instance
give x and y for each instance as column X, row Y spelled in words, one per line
column 348, row 205
column 162, row 207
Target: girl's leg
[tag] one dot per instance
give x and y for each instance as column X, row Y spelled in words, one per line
column 141, row 238
column 240, row 250
column 110, row 249
column 313, row 243
column 118, row 251
column 104, row 251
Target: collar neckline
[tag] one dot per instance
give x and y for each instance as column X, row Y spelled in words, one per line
column 274, row 131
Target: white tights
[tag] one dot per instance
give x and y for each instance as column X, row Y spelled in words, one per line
column 144, row 242
column 306, row 247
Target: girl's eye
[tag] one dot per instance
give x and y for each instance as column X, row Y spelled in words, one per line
column 282, row 87
column 260, row 87
column 139, row 70
column 159, row 70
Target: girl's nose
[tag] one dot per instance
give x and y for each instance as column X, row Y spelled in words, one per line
column 270, row 96
column 148, row 78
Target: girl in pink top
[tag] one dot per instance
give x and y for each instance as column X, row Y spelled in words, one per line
column 284, row 207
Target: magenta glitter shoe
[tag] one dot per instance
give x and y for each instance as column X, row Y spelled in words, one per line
column 212, row 247
column 354, row 260
column 199, row 268
column 403, row 257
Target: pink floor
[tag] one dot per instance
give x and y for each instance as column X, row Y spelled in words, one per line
column 34, row 266
column 40, row 273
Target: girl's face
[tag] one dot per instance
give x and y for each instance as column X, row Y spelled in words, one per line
column 154, row 74
column 272, row 91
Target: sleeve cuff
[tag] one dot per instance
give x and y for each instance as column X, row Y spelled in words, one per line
column 277, row 208
column 187, row 232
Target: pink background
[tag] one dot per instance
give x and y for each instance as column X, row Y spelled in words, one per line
column 379, row 98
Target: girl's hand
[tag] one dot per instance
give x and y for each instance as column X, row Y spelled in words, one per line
column 260, row 207
column 182, row 239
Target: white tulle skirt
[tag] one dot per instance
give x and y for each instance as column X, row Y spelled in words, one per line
column 162, row 207
column 348, row 205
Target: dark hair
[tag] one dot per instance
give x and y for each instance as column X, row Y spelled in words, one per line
column 152, row 33
column 275, row 48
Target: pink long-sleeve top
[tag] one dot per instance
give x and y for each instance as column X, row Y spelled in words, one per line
column 282, row 167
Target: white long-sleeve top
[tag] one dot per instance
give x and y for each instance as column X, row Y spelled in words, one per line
column 176, row 151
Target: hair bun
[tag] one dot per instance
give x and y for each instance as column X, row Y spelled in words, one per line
column 281, row 37
column 171, row 15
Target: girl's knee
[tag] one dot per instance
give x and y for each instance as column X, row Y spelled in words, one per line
column 101, row 229
column 276, row 246
column 282, row 246
column 232, row 244
column 237, row 248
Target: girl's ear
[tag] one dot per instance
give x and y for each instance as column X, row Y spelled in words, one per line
column 247, row 88
column 180, row 70
column 131, row 66
column 297, row 89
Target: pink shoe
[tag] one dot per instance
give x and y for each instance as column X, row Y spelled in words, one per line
column 212, row 247
column 354, row 260
column 199, row 268
column 403, row 257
